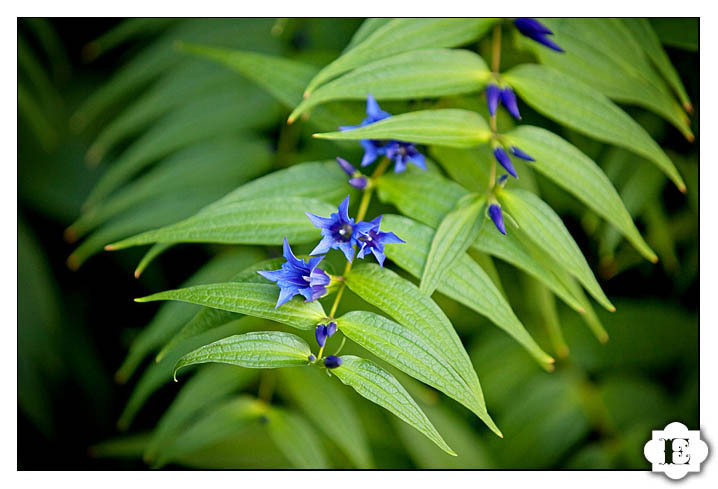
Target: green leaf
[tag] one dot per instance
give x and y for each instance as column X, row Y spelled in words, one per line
column 316, row 395
column 414, row 74
column 414, row 310
column 161, row 55
column 227, row 420
column 419, row 195
column 225, row 163
column 262, row 221
column 603, row 54
column 408, row 352
column 296, row 439
column 171, row 316
column 158, row 374
column 579, row 175
column 316, row 179
column 283, row 78
column 427, row 198
column 251, row 299
column 539, row 223
column 225, row 112
column 457, row 231
column 465, row 282
column 203, row 391
column 468, row 167
column 262, row 349
column 445, row 127
column 380, row 387
column 366, row 29
column 580, row 107
column 681, row 32
column 402, row 35
column 651, row 44
column 208, row 318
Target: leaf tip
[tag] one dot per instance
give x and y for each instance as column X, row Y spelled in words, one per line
column 137, row 273
column 603, row 337
column 70, row 234
column 682, row 188
column 73, row 262
column 110, row 247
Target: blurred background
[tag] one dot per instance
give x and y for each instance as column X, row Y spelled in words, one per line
column 97, row 93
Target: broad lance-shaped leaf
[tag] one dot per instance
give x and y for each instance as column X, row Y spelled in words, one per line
column 577, row 173
column 208, row 318
column 323, row 180
column 543, row 227
column 402, row 35
column 366, row 29
column 408, row 352
column 603, row 54
column 427, row 198
column 172, row 315
column 457, row 231
column 296, row 439
column 204, row 390
column 247, row 298
column 465, row 282
column 226, row 420
column 226, row 163
column 380, row 387
column 444, row 127
column 416, row 74
column 261, row 221
column 226, row 112
column 316, row 394
column 161, row 55
column 160, row 373
column 580, row 107
column 651, row 44
column 283, row 78
column 419, row 313
column 261, row 349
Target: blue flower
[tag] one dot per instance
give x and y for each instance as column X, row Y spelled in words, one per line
column 370, row 239
column 521, row 154
column 503, row 158
column 402, row 154
column 508, row 98
column 298, row 277
column 324, row 331
column 332, row 362
column 497, row 217
column 492, row 96
column 357, row 180
column 372, row 148
column 337, row 231
column 535, row 30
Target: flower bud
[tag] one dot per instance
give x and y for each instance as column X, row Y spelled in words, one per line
column 497, row 217
column 320, row 333
column 346, row 166
column 359, row 182
column 503, row 158
column 521, row 154
column 332, row 362
column 492, row 95
column 331, row 329
column 508, row 98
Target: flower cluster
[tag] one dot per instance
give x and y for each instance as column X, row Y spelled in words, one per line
column 400, row 152
column 339, row 231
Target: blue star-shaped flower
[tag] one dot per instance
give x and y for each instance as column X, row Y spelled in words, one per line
column 402, row 154
column 372, row 148
column 370, row 239
column 337, row 231
column 298, row 277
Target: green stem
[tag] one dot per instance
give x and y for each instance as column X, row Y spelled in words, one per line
column 361, row 213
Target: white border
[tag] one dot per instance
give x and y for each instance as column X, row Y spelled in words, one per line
column 8, row 193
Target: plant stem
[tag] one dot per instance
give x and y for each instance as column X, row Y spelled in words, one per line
column 361, row 213
column 496, row 49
